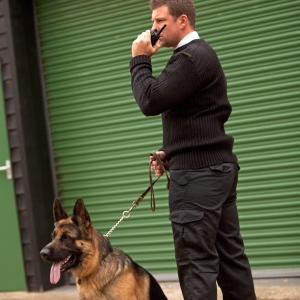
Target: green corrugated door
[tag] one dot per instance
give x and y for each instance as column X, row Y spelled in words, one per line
column 101, row 141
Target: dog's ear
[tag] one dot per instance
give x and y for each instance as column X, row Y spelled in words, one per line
column 58, row 211
column 80, row 214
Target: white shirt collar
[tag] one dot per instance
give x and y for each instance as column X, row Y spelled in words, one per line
column 188, row 38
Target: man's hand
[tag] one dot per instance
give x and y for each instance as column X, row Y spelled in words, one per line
column 156, row 167
column 142, row 45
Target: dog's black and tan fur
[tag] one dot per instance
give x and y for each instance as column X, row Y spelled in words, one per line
column 101, row 271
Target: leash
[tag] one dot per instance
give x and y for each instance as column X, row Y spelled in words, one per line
column 152, row 199
column 126, row 213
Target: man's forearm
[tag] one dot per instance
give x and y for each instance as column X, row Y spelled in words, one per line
column 141, row 78
column 156, row 95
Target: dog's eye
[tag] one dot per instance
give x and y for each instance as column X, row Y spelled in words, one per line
column 64, row 236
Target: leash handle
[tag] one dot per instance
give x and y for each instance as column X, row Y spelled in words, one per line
column 151, row 186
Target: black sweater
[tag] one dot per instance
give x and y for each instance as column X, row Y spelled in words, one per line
column 191, row 96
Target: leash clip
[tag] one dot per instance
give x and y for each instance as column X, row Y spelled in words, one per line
column 126, row 214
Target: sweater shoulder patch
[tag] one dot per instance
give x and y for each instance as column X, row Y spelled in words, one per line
column 187, row 54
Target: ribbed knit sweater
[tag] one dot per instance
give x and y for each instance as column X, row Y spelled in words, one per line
column 191, row 96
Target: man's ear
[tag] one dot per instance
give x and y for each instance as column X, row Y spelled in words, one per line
column 184, row 21
column 58, row 211
column 80, row 214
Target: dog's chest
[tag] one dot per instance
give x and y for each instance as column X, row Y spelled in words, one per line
column 92, row 291
column 97, row 296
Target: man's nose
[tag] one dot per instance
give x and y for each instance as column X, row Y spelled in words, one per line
column 154, row 27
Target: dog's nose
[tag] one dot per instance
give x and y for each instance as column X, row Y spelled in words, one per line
column 45, row 253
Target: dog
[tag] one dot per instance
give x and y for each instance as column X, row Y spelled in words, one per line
column 101, row 271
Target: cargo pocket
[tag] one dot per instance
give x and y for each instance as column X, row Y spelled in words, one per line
column 188, row 234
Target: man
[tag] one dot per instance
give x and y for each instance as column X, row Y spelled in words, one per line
column 191, row 96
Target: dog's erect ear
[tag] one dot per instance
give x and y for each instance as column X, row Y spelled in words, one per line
column 58, row 211
column 80, row 214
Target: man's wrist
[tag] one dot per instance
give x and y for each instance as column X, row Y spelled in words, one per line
column 138, row 54
column 140, row 59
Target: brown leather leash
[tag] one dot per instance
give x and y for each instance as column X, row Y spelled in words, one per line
column 152, row 199
column 126, row 213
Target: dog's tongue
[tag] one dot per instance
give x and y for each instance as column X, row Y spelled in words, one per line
column 55, row 273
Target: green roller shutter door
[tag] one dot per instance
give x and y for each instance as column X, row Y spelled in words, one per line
column 259, row 46
column 101, row 141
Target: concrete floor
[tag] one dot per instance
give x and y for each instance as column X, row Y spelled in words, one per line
column 286, row 289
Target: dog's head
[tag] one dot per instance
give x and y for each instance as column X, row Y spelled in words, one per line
column 73, row 242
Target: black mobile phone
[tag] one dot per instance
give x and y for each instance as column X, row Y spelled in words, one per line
column 155, row 35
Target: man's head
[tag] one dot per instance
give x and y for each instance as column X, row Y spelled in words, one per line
column 177, row 8
column 180, row 17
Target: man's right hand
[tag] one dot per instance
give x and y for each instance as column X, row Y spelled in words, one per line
column 155, row 165
column 142, row 45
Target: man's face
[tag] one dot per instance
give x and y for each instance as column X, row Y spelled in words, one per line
column 170, row 37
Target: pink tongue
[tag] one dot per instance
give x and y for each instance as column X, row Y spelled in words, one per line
column 55, row 273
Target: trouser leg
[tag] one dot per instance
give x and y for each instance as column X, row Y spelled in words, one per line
column 196, row 211
column 235, row 277
column 196, row 258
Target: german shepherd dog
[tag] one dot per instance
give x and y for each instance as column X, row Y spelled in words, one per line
column 101, row 271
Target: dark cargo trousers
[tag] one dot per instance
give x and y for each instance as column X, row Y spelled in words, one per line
column 208, row 244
